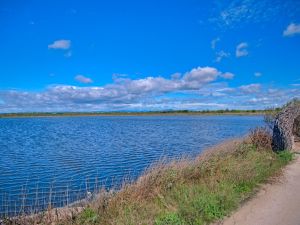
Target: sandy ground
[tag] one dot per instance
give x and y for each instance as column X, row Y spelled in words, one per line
column 275, row 204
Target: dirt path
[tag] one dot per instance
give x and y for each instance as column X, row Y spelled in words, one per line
column 275, row 204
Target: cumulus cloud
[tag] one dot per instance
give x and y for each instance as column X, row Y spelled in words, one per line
column 250, row 88
column 60, row 44
column 83, row 79
column 121, row 92
column 199, row 88
column 175, row 76
column 191, row 80
column 197, row 77
column 292, row 30
column 227, row 75
column 120, row 96
column 241, row 49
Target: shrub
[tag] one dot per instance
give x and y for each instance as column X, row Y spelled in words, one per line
column 261, row 138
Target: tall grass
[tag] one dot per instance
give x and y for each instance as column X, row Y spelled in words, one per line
column 198, row 191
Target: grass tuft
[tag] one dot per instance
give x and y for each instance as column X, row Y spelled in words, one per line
column 88, row 216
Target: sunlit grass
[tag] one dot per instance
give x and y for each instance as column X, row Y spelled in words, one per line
column 190, row 192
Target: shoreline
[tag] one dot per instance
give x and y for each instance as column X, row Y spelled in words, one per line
column 43, row 115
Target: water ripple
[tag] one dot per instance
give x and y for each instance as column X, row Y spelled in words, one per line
column 66, row 156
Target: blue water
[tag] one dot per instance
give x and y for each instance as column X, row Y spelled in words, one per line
column 59, row 159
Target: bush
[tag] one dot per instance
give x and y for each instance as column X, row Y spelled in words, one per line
column 261, row 138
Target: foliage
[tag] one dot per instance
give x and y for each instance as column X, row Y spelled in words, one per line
column 261, row 138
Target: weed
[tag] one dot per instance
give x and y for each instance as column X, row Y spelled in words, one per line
column 169, row 219
column 88, row 216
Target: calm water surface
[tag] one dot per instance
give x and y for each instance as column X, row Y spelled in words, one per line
column 68, row 156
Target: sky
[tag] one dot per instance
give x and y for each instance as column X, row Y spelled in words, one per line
column 137, row 55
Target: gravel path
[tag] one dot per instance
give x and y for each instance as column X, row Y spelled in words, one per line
column 275, row 204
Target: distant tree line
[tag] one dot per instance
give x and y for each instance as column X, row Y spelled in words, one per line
column 269, row 113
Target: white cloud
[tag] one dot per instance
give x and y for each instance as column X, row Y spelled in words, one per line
column 214, row 42
column 83, row 79
column 292, row 30
column 123, row 92
column 227, row 75
column 241, row 49
column 60, row 44
column 296, row 85
column 250, row 88
column 199, row 76
column 175, row 76
column 258, row 74
column 123, row 95
column 240, row 13
column 192, row 80
column 199, row 88
column 221, row 55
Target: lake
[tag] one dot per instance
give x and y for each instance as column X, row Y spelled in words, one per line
column 61, row 159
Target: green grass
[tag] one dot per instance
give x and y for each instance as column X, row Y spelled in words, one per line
column 192, row 192
column 88, row 216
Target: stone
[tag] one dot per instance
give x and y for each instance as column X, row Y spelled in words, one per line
column 286, row 131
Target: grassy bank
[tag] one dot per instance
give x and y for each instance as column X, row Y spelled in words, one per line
column 198, row 191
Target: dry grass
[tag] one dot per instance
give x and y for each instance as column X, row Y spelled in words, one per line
column 185, row 191
column 261, row 138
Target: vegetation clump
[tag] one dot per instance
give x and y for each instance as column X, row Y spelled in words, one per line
column 261, row 138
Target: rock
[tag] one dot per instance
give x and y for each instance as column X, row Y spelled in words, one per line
column 286, row 128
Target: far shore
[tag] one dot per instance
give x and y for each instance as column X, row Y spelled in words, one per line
column 148, row 113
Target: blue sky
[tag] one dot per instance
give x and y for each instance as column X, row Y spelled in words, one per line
column 148, row 55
